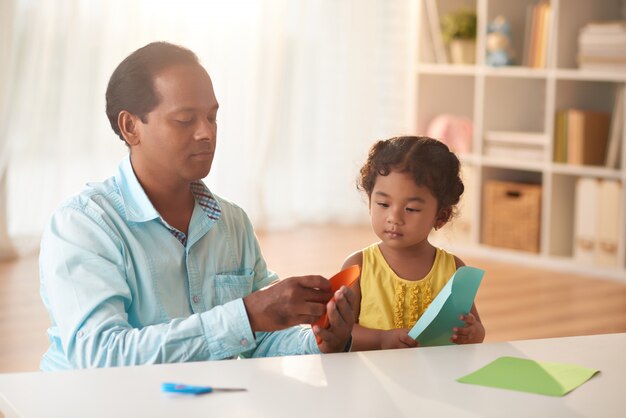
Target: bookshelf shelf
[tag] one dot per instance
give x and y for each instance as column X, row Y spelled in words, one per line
column 587, row 171
column 447, row 69
column 515, row 71
column 512, row 164
column 519, row 104
column 590, row 75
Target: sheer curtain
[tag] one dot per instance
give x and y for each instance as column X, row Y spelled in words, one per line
column 7, row 18
column 304, row 88
column 347, row 85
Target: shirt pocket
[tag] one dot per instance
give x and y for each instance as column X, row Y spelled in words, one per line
column 232, row 286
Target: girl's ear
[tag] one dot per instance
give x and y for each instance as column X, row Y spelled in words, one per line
column 443, row 217
column 127, row 122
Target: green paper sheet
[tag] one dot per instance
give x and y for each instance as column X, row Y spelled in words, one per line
column 435, row 325
column 544, row 378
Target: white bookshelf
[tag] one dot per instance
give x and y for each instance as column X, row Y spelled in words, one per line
column 521, row 99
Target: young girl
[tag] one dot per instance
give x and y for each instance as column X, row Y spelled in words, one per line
column 413, row 185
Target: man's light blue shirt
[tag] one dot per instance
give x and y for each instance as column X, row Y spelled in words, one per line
column 121, row 289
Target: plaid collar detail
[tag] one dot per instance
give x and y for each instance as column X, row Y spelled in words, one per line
column 206, row 200
column 208, row 204
column 178, row 235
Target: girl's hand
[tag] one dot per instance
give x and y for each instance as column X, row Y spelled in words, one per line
column 472, row 332
column 341, row 320
column 397, row 338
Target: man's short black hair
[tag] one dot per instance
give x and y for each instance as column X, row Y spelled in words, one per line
column 131, row 85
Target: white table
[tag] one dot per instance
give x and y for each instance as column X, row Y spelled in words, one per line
column 395, row 383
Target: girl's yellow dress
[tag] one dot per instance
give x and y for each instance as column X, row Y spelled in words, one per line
column 388, row 301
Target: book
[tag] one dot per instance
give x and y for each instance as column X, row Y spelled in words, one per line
column 537, row 29
column 587, row 136
column 605, row 27
column 606, row 60
column 529, row 146
column 534, row 36
column 603, row 66
column 456, row 298
column 516, row 137
column 585, row 220
column 616, row 131
column 575, row 126
column 608, row 211
column 560, row 137
column 588, row 44
column 515, row 151
column 528, row 25
column 541, row 52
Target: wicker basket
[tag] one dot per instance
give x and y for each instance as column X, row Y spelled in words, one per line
column 511, row 215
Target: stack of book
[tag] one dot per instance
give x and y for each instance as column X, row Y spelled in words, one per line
column 528, row 146
column 538, row 16
column 602, row 46
column 581, row 136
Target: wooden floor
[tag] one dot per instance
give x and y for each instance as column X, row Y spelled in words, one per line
column 515, row 302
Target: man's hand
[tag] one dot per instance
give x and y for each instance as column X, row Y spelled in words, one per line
column 397, row 338
column 341, row 319
column 288, row 302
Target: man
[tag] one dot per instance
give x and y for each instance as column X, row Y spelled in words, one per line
column 150, row 266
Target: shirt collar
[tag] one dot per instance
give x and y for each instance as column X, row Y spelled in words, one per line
column 138, row 206
column 136, row 202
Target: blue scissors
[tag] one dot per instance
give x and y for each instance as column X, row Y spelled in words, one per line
column 195, row 390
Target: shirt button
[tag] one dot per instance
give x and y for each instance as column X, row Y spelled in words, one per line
column 196, row 299
column 244, row 342
column 80, row 334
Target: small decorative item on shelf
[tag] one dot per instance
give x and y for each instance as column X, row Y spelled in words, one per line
column 459, row 33
column 454, row 131
column 499, row 50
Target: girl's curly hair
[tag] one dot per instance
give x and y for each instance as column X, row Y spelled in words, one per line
column 430, row 163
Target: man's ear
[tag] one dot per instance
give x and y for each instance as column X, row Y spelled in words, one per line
column 443, row 217
column 128, row 124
